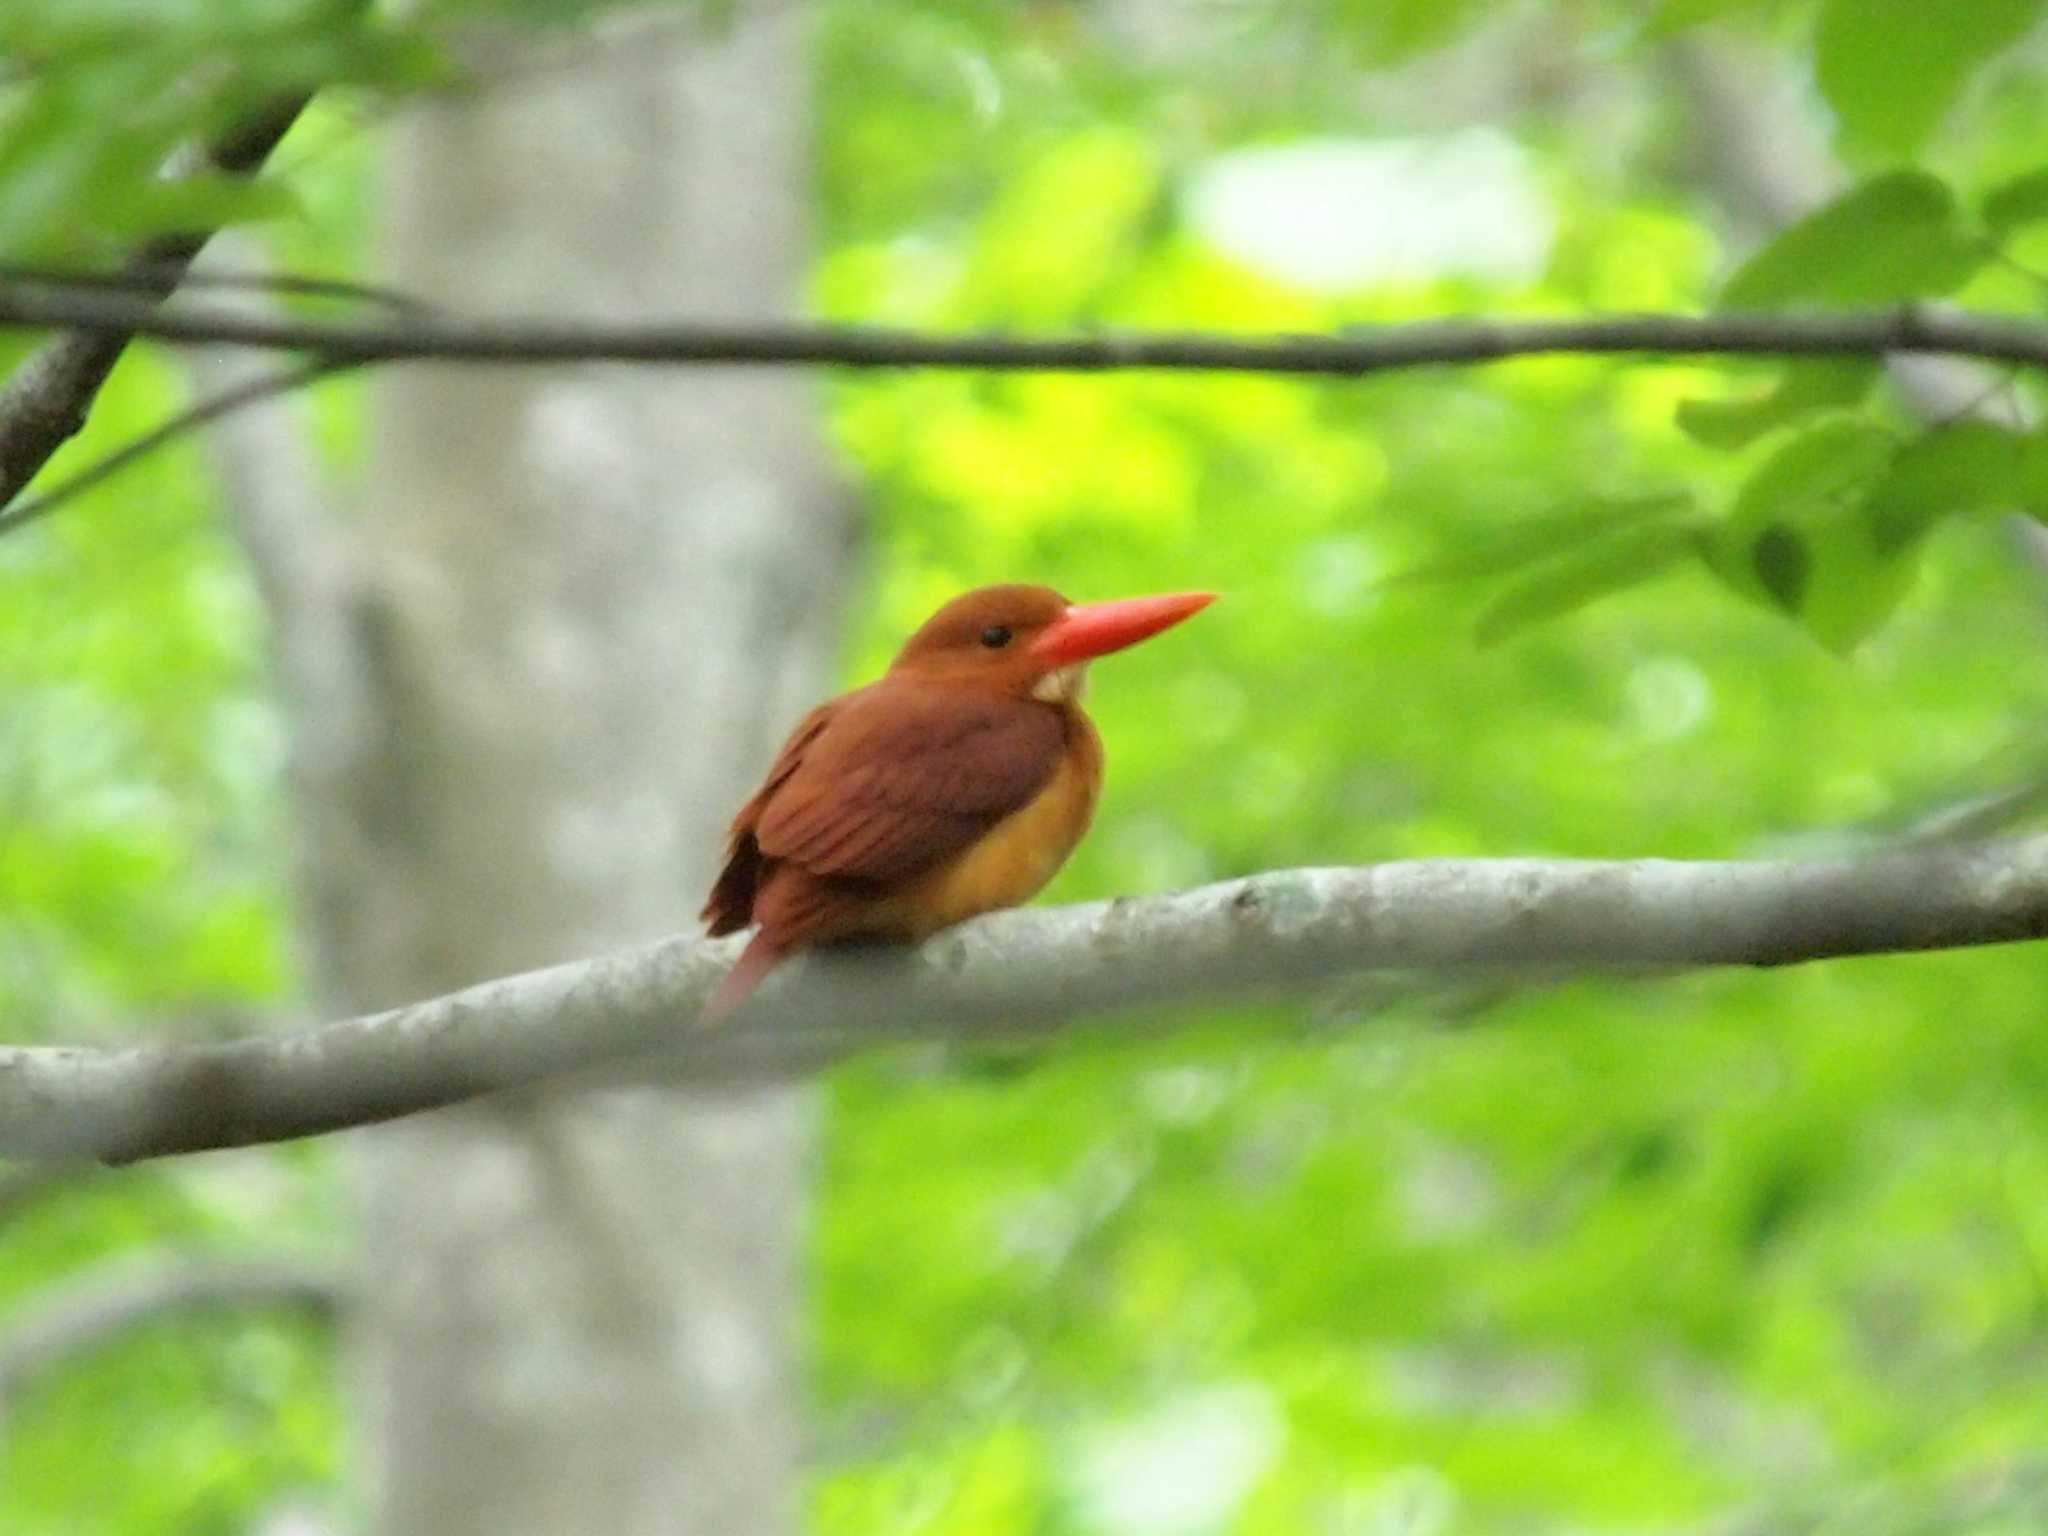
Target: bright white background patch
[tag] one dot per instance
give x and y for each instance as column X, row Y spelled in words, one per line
column 1183, row 1469
column 1336, row 214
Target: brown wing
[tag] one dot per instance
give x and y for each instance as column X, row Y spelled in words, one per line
column 907, row 776
column 731, row 904
column 894, row 781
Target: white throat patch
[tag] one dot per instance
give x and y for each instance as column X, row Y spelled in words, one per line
column 1062, row 687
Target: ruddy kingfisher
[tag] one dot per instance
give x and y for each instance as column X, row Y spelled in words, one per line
column 956, row 784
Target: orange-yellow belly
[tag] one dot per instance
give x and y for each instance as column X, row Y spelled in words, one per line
column 1013, row 861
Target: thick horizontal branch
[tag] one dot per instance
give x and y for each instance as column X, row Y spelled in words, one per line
column 1360, row 350
column 1013, row 975
column 89, row 1315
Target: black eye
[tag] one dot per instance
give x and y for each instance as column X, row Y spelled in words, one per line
column 996, row 636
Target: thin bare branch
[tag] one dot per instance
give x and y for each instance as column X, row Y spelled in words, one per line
column 428, row 335
column 1015, row 976
column 138, row 278
column 46, row 399
column 1358, row 351
column 263, row 387
column 86, row 1316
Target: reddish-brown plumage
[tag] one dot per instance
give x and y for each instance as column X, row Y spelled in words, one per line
column 956, row 784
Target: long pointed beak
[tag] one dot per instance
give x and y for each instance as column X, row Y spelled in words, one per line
column 1088, row 630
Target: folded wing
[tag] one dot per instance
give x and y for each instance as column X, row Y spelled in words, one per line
column 891, row 783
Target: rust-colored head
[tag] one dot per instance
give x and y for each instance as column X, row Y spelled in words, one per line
column 1033, row 642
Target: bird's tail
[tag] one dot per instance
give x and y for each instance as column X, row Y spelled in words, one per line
column 760, row 957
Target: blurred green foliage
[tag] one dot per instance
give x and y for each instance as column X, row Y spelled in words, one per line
column 1566, row 1254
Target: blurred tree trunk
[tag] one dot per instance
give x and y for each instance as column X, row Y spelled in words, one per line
column 583, row 605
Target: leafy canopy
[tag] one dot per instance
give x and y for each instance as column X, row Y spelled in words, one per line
column 1569, row 1254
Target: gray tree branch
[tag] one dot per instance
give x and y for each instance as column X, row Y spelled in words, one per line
column 1012, row 976
column 100, row 1310
column 1901, row 335
column 445, row 337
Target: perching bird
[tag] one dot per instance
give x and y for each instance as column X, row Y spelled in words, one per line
column 955, row 785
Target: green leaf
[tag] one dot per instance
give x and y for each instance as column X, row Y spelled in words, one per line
column 1968, row 466
column 202, row 202
column 1895, row 236
column 1783, row 565
column 77, row 151
column 2013, row 204
column 1821, row 465
column 1802, row 389
column 1621, row 559
column 1799, row 539
column 1503, row 547
column 1891, row 69
column 2030, row 474
column 1383, row 32
column 1674, row 17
